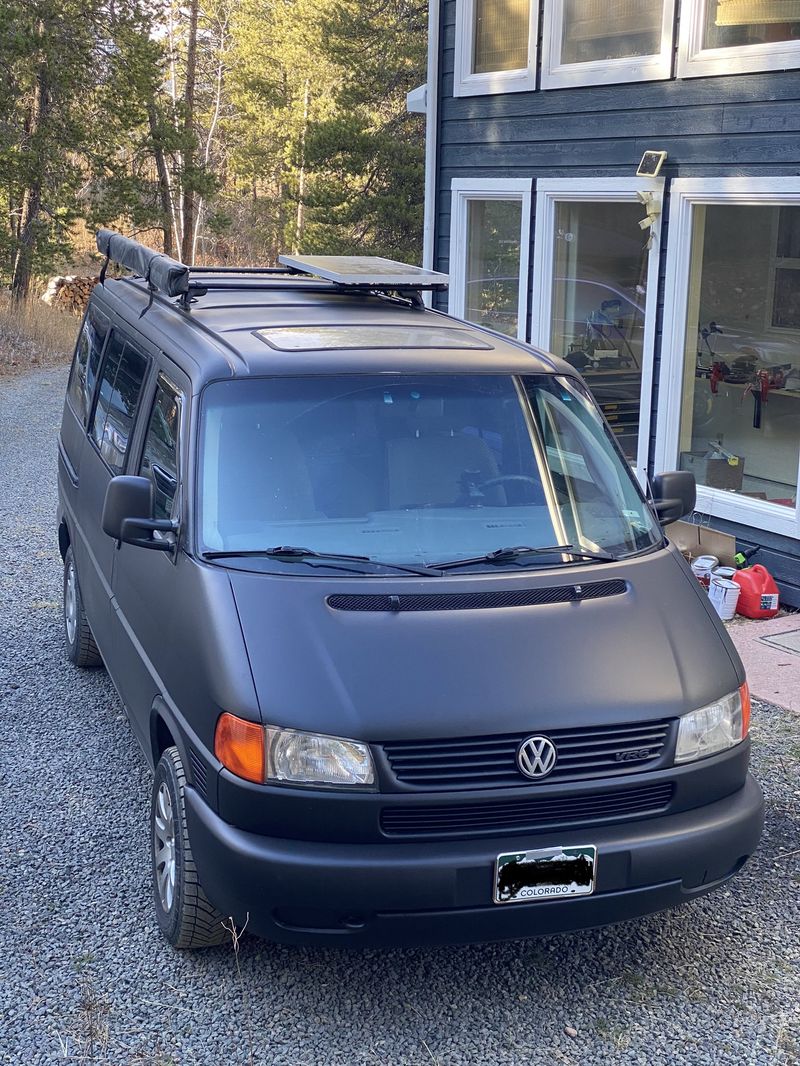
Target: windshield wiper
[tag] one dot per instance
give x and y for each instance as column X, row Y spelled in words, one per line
column 290, row 551
column 506, row 555
column 284, row 551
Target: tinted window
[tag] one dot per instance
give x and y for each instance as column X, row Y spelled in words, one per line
column 120, row 385
column 160, row 456
column 413, row 468
column 87, row 359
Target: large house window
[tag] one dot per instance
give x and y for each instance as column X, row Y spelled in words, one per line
column 594, row 294
column 495, row 46
column 732, row 372
column 733, row 36
column 591, row 42
column 489, row 239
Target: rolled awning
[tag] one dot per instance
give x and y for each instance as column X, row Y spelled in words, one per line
column 159, row 270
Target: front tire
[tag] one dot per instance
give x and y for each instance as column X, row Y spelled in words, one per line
column 185, row 916
column 81, row 648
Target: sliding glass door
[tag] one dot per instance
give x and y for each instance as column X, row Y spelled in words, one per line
column 731, row 364
column 594, row 294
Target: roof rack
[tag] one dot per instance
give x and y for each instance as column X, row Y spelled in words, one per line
column 242, row 270
column 349, row 273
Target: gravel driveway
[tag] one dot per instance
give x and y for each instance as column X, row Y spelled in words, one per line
column 85, row 977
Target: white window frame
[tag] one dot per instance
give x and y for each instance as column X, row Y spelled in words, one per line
column 463, row 191
column 549, row 193
column 558, row 75
column 695, row 61
column 467, row 83
column 685, row 194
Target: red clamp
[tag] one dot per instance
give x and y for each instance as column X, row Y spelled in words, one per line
column 764, row 380
column 717, row 375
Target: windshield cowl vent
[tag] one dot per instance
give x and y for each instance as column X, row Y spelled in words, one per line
column 475, row 601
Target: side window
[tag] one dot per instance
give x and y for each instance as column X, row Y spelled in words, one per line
column 120, row 385
column 160, row 455
column 87, row 358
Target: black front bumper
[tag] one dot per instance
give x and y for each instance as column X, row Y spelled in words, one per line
column 299, row 891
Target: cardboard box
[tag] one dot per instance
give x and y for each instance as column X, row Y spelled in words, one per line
column 693, row 540
column 714, row 473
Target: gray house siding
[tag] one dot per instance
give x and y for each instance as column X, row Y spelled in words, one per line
column 747, row 124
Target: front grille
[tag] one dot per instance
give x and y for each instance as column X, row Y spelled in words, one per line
column 491, row 762
column 526, row 815
column 474, row 601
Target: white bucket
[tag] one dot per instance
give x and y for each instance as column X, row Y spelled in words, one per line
column 703, row 566
column 724, row 594
column 725, row 571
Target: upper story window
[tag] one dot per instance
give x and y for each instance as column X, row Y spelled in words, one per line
column 593, row 42
column 495, row 46
column 734, row 36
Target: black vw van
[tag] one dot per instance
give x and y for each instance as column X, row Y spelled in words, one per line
column 394, row 624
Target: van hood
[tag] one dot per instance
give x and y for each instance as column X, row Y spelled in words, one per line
column 655, row 650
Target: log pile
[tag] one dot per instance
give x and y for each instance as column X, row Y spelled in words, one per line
column 69, row 293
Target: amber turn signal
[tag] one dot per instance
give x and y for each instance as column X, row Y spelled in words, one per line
column 744, row 693
column 239, row 746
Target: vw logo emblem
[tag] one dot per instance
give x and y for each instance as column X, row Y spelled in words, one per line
column 536, row 756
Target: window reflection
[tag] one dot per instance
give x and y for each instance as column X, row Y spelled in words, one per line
column 595, row 30
column 733, row 23
column 598, row 306
column 501, row 35
column 160, row 456
column 118, row 396
column 740, row 426
column 493, row 264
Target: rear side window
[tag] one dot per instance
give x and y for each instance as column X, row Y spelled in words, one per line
column 87, row 359
column 118, row 397
column 160, row 456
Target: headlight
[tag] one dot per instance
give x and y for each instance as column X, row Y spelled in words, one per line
column 261, row 754
column 311, row 759
column 714, row 728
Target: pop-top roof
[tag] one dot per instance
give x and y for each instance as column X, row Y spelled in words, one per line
column 370, row 271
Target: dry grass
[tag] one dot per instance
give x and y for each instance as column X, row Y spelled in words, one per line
column 33, row 334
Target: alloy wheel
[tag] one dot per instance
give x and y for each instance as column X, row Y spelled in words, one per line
column 71, row 603
column 164, row 846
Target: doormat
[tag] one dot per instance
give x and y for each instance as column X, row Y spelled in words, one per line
column 788, row 641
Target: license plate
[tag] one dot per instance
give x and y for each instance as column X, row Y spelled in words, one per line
column 549, row 873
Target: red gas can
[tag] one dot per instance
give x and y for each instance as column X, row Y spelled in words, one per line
column 758, row 597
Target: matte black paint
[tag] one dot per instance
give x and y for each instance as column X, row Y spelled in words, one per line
column 441, row 892
column 186, row 639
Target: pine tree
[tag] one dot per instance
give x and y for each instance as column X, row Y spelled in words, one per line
column 369, row 155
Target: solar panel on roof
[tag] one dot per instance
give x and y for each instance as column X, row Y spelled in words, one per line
column 368, row 270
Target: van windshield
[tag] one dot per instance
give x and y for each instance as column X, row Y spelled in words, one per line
column 415, row 469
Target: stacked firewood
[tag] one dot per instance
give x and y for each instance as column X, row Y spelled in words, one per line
column 69, row 293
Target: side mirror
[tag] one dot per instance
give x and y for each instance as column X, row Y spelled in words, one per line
column 674, row 495
column 128, row 514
